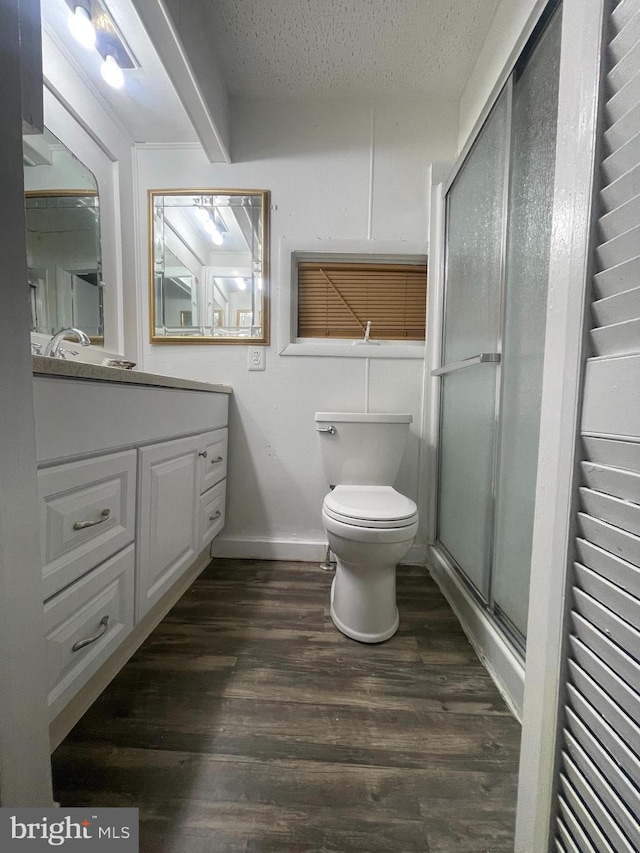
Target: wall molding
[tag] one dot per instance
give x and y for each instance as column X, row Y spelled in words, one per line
column 296, row 550
column 258, row 548
column 167, row 146
column 496, row 655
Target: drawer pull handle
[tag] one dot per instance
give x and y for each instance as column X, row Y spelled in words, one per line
column 217, row 459
column 216, row 514
column 104, row 624
column 203, row 453
column 80, row 525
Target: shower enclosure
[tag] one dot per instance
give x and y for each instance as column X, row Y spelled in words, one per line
column 497, row 233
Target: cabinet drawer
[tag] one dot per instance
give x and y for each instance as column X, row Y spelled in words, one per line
column 212, row 505
column 87, row 513
column 99, row 609
column 213, row 455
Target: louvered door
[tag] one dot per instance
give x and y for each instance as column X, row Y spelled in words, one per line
column 599, row 781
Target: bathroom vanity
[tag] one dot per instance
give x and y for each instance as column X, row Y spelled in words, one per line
column 131, row 489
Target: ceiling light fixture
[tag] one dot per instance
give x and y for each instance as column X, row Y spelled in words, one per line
column 214, row 232
column 211, row 221
column 81, row 26
column 242, row 284
column 92, row 25
column 111, row 72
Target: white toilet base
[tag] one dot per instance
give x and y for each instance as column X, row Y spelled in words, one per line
column 363, row 594
column 350, row 627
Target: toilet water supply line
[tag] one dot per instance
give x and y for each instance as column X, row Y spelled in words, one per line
column 329, row 564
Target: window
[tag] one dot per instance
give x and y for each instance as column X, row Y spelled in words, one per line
column 337, row 298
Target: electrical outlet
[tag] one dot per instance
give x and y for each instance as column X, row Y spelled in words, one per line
column 256, row 358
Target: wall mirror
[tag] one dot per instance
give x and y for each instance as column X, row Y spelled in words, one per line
column 62, row 213
column 209, row 266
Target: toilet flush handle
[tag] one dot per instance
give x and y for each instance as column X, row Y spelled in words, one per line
column 330, row 429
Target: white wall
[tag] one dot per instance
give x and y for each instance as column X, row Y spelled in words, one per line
column 336, row 169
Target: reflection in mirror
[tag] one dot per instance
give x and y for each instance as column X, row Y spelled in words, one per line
column 63, row 239
column 209, row 266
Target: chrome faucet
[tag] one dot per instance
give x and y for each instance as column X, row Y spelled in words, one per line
column 53, row 349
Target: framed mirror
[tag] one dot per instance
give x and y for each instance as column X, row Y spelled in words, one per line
column 209, row 266
column 62, row 214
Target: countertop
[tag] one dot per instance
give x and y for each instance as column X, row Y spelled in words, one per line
column 97, row 372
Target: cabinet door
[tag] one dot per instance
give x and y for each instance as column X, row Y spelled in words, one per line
column 168, row 516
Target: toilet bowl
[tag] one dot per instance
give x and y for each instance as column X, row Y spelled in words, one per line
column 370, row 526
column 370, row 529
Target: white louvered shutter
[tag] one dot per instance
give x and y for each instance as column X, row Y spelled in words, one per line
column 599, row 769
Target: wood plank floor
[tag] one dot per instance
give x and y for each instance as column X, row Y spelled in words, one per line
column 247, row 722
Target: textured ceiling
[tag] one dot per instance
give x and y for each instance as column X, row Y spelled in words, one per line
column 348, row 47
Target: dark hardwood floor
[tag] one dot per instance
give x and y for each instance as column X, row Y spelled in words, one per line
column 247, row 722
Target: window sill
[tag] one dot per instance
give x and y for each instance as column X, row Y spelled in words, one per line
column 355, row 349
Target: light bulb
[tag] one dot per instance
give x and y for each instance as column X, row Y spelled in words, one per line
column 111, row 72
column 242, row 284
column 81, row 27
column 214, row 231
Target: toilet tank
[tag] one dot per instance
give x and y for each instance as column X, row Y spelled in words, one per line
column 361, row 449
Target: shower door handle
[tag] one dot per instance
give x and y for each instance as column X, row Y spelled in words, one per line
column 481, row 358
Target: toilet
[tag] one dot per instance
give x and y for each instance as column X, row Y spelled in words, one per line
column 370, row 526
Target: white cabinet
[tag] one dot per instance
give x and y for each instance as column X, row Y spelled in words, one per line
column 179, row 510
column 168, row 517
column 131, row 494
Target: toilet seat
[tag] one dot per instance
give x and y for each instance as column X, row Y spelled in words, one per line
column 370, row 506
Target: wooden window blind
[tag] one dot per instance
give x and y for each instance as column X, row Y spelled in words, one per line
column 336, row 299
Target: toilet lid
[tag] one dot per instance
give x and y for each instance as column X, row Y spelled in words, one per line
column 370, row 506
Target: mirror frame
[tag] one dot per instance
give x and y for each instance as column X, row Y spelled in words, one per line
column 265, row 197
column 95, row 339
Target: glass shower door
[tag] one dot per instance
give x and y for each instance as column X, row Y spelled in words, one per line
column 533, row 147
column 498, row 233
column 474, row 269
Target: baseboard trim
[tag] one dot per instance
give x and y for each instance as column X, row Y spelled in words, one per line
column 501, row 662
column 249, row 548
column 296, row 550
column 416, row 556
